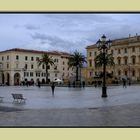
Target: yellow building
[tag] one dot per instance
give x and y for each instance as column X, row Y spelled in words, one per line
column 17, row 65
column 126, row 53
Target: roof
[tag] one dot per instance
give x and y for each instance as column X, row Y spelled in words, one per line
column 37, row 51
column 120, row 41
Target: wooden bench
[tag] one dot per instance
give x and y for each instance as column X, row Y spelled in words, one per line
column 18, row 98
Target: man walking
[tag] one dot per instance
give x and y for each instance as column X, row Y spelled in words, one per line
column 53, row 87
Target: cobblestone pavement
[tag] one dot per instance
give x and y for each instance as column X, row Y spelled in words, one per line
column 71, row 107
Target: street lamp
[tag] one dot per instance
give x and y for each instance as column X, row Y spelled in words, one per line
column 129, row 70
column 103, row 45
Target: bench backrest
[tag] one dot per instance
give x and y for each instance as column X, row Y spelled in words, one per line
column 17, row 96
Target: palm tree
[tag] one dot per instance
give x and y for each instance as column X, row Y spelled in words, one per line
column 47, row 61
column 99, row 60
column 76, row 60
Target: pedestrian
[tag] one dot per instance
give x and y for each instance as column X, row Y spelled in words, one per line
column 83, row 83
column 53, row 87
column 69, row 85
column 129, row 82
column 124, row 83
column 73, row 84
column 95, row 84
column 38, row 83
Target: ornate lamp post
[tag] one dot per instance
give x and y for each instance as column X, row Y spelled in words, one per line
column 103, row 46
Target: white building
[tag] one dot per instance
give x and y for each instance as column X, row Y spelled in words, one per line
column 17, row 65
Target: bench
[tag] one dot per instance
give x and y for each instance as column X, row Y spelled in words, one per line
column 18, row 98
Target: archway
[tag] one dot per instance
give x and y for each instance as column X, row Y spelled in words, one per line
column 3, row 78
column 16, row 79
column 43, row 81
column 8, row 79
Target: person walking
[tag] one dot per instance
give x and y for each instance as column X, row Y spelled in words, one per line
column 53, row 87
column 124, row 83
column 38, row 83
column 83, row 83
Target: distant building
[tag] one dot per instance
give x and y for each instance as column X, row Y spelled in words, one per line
column 126, row 53
column 18, row 65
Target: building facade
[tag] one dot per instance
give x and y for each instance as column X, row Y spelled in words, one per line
column 126, row 53
column 18, row 65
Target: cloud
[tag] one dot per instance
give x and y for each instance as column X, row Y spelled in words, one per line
column 57, row 43
column 31, row 27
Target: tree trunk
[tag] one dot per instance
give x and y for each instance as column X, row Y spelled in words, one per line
column 76, row 73
column 46, row 74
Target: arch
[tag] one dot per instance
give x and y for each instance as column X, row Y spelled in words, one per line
column 3, row 78
column 119, row 60
column 125, row 59
column 133, row 59
column 37, row 80
column 43, row 81
column 32, row 81
column 7, row 79
column 17, row 79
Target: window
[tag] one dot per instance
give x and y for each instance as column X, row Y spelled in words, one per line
column 8, row 57
column 63, row 68
column 37, row 58
column 31, row 74
column 125, row 50
column 133, row 60
column 37, row 74
column 32, row 66
column 42, row 74
column 32, row 58
column 112, row 52
column 90, row 63
column 17, row 57
column 55, row 68
column 119, row 61
column 119, row 51
column 133, row 49
column 55, row 60
column 95, row 53
column 63, row 63
column 27, row 74
column 55, row 74
column 119, row 72
column 125, row 61
column 26, row 66
column 125, row 73
column 26, row 58
column 43, row 66
column 90, row 53
column 2, row 58
column 7, row 66
column 133, row 73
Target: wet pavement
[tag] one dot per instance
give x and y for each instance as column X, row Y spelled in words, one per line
column 71, row 107
column 89, row 97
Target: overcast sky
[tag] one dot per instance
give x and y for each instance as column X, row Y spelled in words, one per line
column 63, row 32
